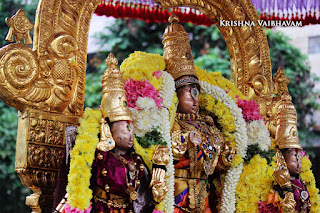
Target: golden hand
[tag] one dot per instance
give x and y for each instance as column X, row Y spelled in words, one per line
column 281, row 173
column 158, row 183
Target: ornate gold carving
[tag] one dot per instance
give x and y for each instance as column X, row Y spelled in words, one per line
column 39, row 152
column 177, row 50
column 106, row 142
column 20, row 28
column 281, row 173
column 44, row 157
column 282, row 116
column 281, row 82
column 161, row 155
column 178, row 148
column 227, row 156
column 56, row 133
column 33, row 202
column 63, row 46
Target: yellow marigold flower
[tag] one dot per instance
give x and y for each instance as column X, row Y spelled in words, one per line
column 141, row 66
column 236, row 160
column 242, row 206
column 305, row 164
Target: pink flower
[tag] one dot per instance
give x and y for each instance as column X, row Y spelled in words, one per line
column 157, row 74
column 303, row 153
column 267, row 208
column 250, row 110
column 157, row 211
column 69, row 209
column 135, row 89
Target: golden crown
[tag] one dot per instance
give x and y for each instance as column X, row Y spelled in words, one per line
column 287, row 131
column 177, row 52
column 114, row 101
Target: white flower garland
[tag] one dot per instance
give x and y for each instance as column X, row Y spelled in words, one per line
column 165, row 132
column 258, row 134
column 167, row 89
column 167, row 93
column 228, row 200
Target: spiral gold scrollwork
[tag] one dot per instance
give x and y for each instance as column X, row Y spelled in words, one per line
column 260, row 87
column 63, row 46
column 19, row 69
column 19, row 66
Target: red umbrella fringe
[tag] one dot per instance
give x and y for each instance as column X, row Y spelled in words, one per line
column 156, row 14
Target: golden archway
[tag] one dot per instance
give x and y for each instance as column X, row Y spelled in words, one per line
column 46, row 83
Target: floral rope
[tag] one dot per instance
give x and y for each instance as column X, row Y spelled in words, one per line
column 165, row 131
column 167, row 93
column 307, row 176
column 82, row 156
column 228, row 200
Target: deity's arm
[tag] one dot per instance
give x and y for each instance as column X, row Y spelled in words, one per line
column 160, row 159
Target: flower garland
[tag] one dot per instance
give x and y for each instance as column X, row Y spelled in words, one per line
column 307, row 176
column 255, row 183
column 168, row 95
column 165, row 128
column 136, row 89
column 82, row 156
column 151, row 94
column 250, row 109
column 216, row 78
column 228, row 200
column 240, row 133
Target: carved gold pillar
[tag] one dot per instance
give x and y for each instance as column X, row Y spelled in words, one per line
column 39, row 152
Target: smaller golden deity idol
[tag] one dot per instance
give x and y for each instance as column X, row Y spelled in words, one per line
column 197, row 145
column 294, row 196
column 120, row 179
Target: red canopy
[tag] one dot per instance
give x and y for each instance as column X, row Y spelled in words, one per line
column 306, row 11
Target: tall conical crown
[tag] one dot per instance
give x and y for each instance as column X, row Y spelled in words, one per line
column 114, row 101
column 287, row 131
column 177, row 53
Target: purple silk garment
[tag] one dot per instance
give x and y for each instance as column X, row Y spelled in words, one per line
column 116, row 179
column 296, row 192
column 116, row 174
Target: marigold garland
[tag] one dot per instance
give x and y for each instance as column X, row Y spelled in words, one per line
column 228, row 200
column 307, row 176
column 254, row 185
column 82, row 156
column 216, row 78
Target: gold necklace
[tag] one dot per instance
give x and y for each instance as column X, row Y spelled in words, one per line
column 133, row 175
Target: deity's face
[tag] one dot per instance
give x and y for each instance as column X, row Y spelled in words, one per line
column 188, row 99
column 122, row 133
column 293, row 160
